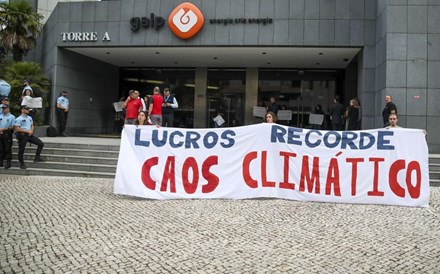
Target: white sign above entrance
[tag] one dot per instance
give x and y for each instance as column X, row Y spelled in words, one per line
column 83, row 36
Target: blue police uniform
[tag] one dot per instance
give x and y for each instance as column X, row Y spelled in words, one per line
column 7, row 122
column 25, row 122
column 62, row 105
column 5, row 88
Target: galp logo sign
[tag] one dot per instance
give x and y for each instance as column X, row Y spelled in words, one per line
column 186, row 20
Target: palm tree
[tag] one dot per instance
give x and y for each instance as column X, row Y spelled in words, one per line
column 16, row 73
column 19, row 27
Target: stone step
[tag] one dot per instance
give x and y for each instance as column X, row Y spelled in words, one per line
column 68, row 166
column 51, row 172
column 434, row 159
column 72, row 159
column 434, row 167
column 434, row 175
column 434, row 182
column 72, row 146
column 72, row 152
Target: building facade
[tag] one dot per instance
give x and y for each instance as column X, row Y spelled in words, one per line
column 242, row 52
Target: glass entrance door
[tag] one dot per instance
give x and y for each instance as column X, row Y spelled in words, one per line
column 229, row 107
column 226, row 97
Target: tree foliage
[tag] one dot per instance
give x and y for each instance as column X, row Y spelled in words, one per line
column 16, row 72
column 19, row 27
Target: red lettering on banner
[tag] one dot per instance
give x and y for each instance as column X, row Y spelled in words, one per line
column 212, row 179
column 169, row 175
column 313, row 179
column 285, row 183
column 394, row 184
column 354, row 163
column 333, row 178
column 246, row 169
column 252, row 183
column 145, row 175
column 190, row 163
column 375, row 191
column 265, row 182
column 414, row 191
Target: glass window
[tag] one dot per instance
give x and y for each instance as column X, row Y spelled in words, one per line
column 226, row 95
column 299, row 91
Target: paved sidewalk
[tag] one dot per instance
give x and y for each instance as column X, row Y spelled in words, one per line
column 73, row 225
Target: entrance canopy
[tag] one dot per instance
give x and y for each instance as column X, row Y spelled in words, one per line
column 269, row 57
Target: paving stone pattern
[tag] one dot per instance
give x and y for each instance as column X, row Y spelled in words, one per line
column 77, row 225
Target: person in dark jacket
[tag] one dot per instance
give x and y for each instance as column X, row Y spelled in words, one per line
column 390, row 107
column 352, row 115
column 337, row 114
column 168, row 106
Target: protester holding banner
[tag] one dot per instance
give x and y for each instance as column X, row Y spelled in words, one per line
column 392, row 120
column 26, row 86
column 143, row 119
column 26, row 99
column 270, row 117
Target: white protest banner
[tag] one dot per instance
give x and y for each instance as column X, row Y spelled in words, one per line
column 380, row 166
column 259, row 111
column 118, row 106
column 219, row 120
column 32, row 102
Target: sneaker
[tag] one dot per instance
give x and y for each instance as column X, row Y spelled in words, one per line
column 64, row 135
column 38, row 159
column 8, row 165
column 22, row 166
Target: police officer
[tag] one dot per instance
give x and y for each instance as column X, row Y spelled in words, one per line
column 62, row 112
column 168, row 106
column 5, row 88
column 4, row 101
column 24, row 129
column 7, row 121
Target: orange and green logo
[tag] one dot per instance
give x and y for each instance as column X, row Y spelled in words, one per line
column 186, row 20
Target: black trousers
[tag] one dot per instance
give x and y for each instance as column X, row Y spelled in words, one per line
column 23, row 138
column 6, row 146
column 62, row 120
column 168, row 119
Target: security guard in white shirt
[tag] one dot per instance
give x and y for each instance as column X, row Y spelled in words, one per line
column 7, row 121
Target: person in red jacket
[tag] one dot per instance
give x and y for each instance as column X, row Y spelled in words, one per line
column 132, row 107
column 155, row 110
